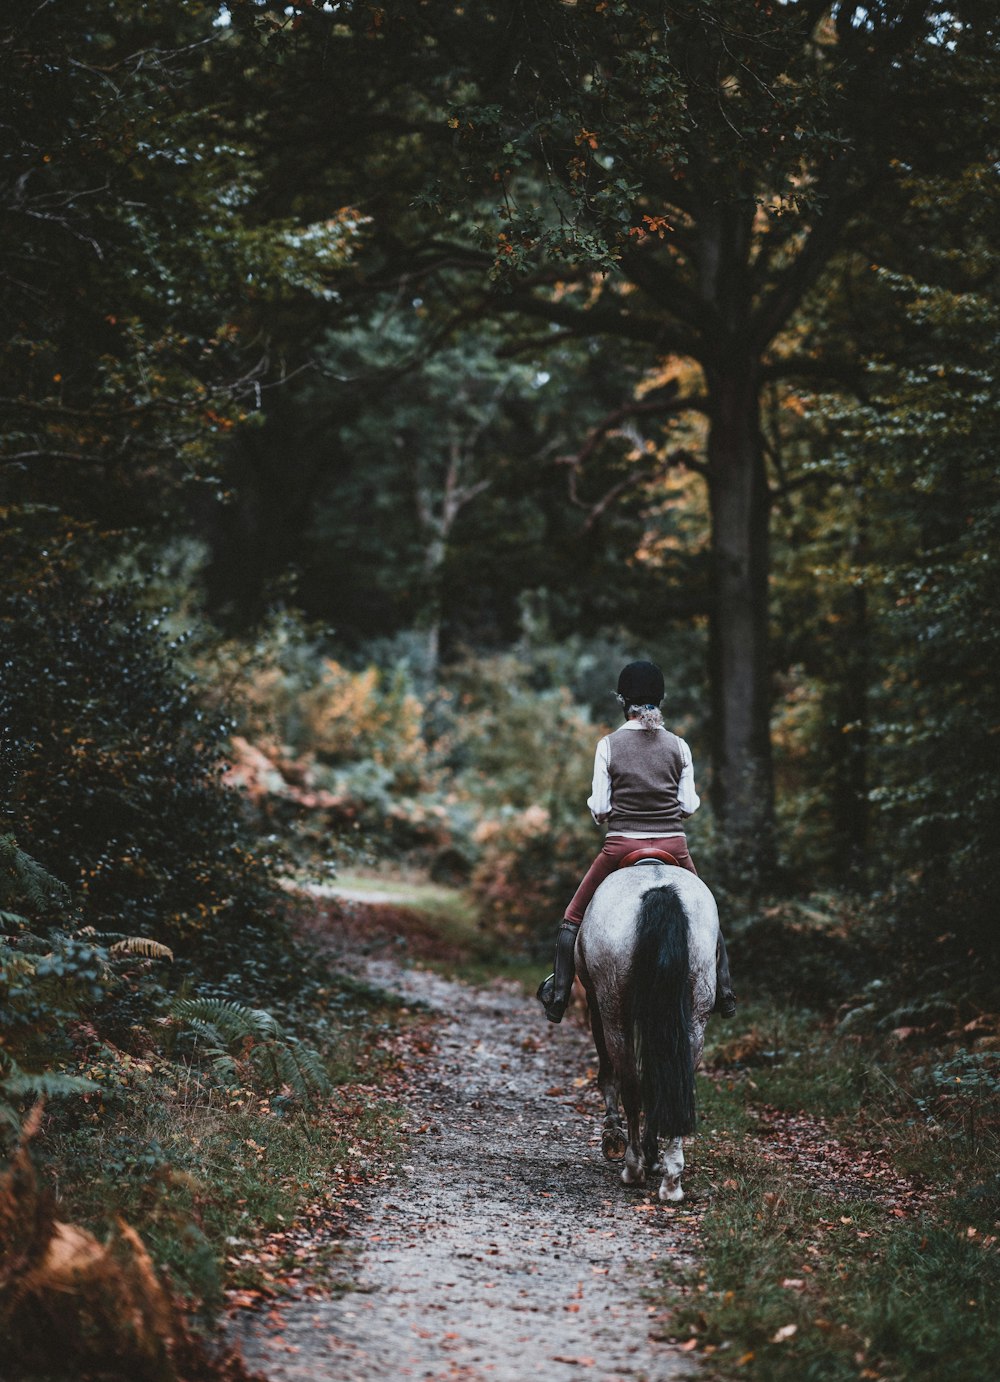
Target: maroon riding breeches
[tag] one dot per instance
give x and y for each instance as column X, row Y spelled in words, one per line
column 615, row 848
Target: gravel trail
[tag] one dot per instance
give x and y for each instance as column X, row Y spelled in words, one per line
column 507, row 1245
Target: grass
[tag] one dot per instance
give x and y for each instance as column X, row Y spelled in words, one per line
column 460, row 948
column 449, row 906
column 809, row 1276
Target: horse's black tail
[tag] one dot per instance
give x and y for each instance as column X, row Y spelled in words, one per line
column 661, row 1015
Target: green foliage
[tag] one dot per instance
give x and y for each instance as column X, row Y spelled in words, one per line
column 25, row 881
column 803, row 1277
column 203, row 1170
column 114, row 772
column 888, row 604
column 42, row 982
column 245, row 1044
column 936, row 708
column 136, row 261
column 16, row 1085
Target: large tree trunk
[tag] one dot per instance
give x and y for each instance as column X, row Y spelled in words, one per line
column 742, row 782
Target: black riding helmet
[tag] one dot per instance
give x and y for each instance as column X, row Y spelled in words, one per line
column 641, row 683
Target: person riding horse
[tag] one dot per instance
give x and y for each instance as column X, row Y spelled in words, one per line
column 643, row 789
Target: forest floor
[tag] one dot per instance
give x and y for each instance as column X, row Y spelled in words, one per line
column 500, row 1241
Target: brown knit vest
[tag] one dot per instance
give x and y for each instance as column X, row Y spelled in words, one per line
column 645, row 766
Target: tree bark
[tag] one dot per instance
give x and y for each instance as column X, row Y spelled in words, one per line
column 742, row 779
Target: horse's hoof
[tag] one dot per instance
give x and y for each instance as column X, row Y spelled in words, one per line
column 614, row 1144
column 671, row 1194
column 634, row 1170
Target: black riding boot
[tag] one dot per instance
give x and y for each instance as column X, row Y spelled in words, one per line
column 725, row 999
column 553, row 992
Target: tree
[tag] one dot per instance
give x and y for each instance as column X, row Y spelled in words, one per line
column 676, row 177
column 134, row 269
column 924, row 446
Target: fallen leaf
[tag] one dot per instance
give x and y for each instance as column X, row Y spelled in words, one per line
column 785, row 1332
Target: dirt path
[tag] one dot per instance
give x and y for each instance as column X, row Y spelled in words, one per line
column 507, row 1245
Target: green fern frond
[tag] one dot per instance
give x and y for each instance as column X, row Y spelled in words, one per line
column 313, row 1071
column 24, row 879
column 225, row 1069
column 234, row 1021
column 278, row 1065
column 141, row 945
column 236, row 1036
column 15, row 1083
column 209, row 1035
column 266, row 1026
column 231, row 1022
column 47, row 1082
column 293, row 1064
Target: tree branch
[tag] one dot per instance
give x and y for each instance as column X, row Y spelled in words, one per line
column 849, row 373
column 791, row 285
column 613, row 423
column 593, row 321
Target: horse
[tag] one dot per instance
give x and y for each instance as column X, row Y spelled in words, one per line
column 646, row 956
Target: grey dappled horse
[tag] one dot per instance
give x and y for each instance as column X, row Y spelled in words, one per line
column 646, row 957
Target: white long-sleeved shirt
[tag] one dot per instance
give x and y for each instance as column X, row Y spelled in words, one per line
column 599, row 800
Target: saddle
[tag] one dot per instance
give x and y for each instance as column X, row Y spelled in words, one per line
column 647, row 855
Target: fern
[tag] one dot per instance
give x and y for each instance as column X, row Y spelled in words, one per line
column 240, row 1041
column 226, row 1022
column 15, row 1083
column 141, row 945
column 24, row 879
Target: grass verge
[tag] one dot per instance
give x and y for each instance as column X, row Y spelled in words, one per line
column 851, row 1229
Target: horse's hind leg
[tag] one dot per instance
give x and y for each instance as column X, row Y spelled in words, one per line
column 613, row 1135
column 671, row 1163
column 634, row 1170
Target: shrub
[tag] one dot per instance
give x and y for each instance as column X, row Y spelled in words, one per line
column 113, row 772
column 527, row 873
column 524, row 758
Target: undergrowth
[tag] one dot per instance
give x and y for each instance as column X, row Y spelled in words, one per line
column 205, row 1170
column 865, row 1244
